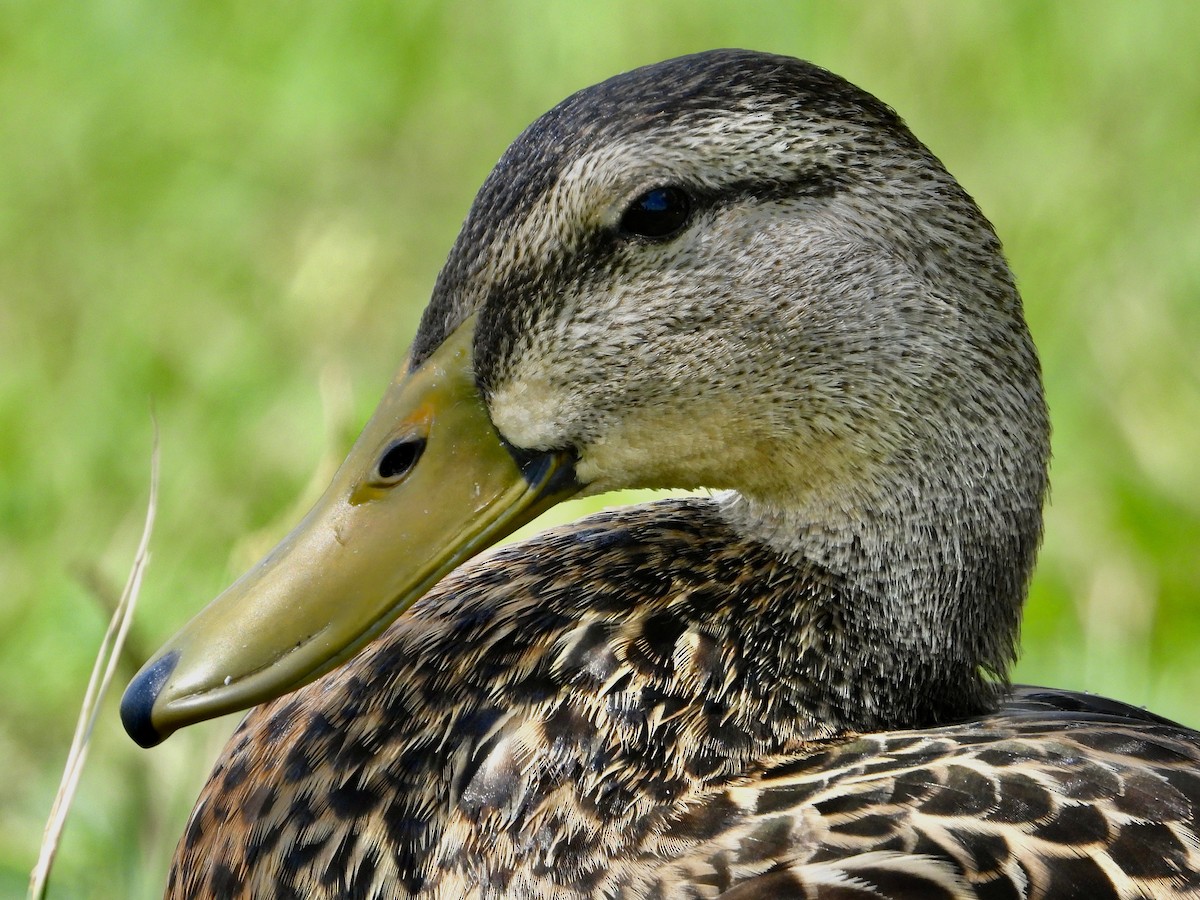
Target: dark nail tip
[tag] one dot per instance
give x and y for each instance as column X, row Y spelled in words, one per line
column 137, row 706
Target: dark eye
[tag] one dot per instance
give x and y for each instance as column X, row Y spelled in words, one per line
column 399, row 458
column 657, row 214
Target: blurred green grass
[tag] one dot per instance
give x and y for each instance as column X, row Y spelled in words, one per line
column 236, row 211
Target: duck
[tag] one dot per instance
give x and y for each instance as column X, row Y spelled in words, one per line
column 730, row 272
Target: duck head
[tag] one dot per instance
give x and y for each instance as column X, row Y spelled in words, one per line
column 730, row 270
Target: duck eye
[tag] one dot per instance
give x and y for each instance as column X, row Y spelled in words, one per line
column 657, row 214
column 399, row 458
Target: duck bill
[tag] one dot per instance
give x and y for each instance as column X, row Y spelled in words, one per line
column 381, row 536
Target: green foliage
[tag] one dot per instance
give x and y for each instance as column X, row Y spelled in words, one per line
column 234, row 212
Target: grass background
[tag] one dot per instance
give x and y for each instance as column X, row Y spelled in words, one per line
column 235, row 211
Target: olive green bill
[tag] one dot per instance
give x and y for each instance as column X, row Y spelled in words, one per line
column 428, row 484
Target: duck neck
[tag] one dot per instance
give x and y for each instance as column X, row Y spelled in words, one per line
column 918, row 618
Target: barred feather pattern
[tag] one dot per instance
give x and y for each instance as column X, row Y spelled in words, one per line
column 530, row 731
column 1041, row 803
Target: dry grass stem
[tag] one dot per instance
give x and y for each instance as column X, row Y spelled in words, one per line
column 107, row 659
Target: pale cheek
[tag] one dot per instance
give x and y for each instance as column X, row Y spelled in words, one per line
column 659, row 452
column 529, row 414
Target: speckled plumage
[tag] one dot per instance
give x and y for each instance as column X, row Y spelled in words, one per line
column 797, row 689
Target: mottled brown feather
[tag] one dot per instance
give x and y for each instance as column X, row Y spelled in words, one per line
column 530, row 731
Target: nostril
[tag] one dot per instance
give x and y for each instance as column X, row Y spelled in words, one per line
column 399, row 458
